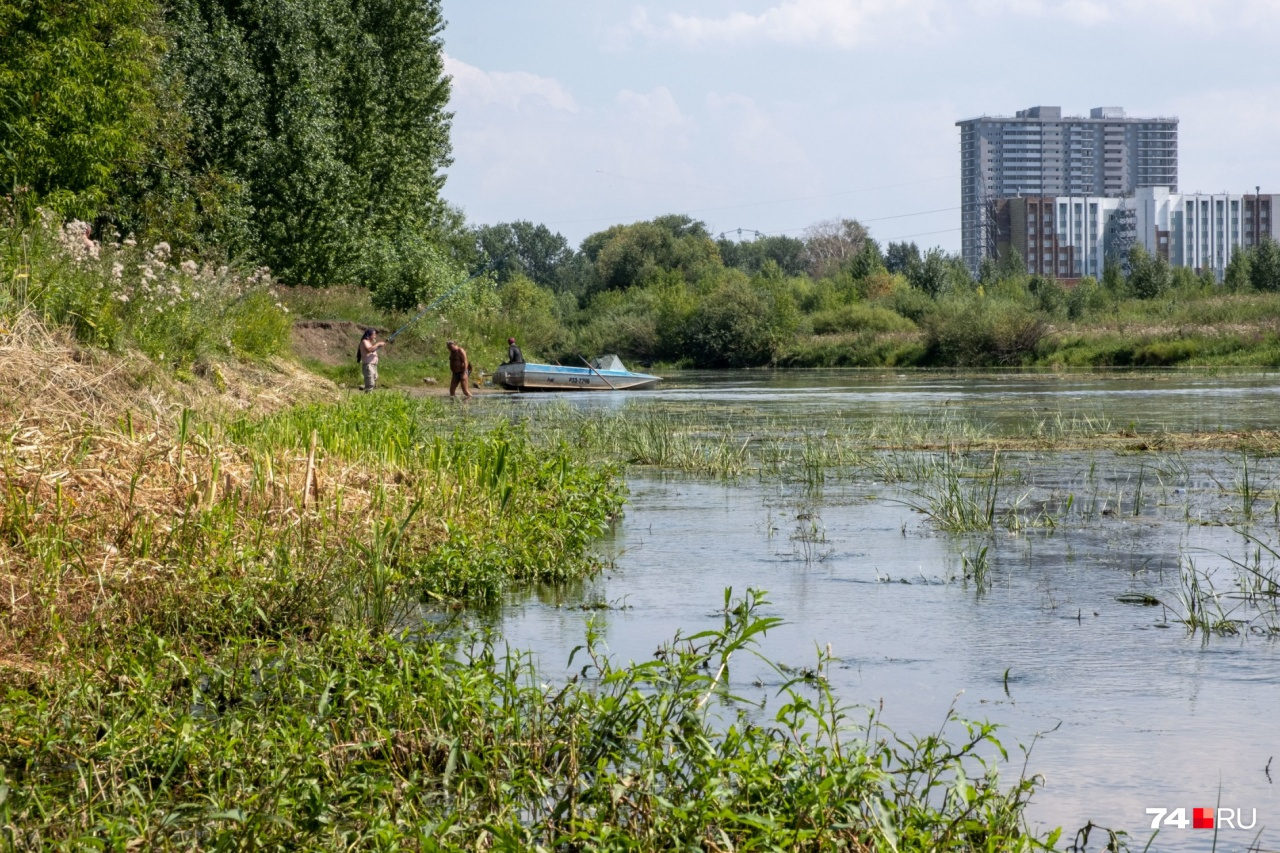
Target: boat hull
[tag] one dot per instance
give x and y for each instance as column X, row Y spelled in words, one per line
column 553, row 377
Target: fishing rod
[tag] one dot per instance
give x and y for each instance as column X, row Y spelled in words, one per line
column 442, row 297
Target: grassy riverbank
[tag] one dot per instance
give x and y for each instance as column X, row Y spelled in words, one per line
column 214, row 639
column 198, row 654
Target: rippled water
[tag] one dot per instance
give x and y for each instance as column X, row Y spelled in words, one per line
column 1137, row 712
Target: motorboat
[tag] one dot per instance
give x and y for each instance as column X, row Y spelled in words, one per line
column 605, row 373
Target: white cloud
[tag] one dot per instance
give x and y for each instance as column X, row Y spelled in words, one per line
column 1213, row 14
column 848, row 23
column 505, row 88
column 755, row 136
column 842, row 22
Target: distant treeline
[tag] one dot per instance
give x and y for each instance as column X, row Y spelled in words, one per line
column 667, row 290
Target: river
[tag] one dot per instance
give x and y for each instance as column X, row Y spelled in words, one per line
column 1127, row 709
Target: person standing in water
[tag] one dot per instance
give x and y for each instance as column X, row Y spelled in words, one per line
column 367, row 355
column 460, row 368
column 514, row 356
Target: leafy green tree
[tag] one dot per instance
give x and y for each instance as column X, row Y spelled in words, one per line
column 1148, row 276
column 1010, row 265
column 751, row 256
column 628, row 255
column 1264, row 266
column 522, row 248
column 740, row 325
column 76, row 97
column 900, row 257
column 868, row 261
column 332, row 115
column 1113, row 275
column 933, row 274
column 1238, row 277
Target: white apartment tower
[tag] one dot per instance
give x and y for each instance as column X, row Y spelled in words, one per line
column 1069, row 237
column 1039, row 152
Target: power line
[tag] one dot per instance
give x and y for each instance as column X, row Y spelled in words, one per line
column 860, row 221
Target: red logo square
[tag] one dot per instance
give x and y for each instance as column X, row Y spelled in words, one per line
column 1202, row 818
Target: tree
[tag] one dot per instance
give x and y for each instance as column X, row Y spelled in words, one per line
column 751, row 256
column 740, row 324
column 831, row 244
column 933, row 274
column 522, row 248
column 628, row 255
column 1112, row 275
column 869, row 260
column 331, row 114
column 1264, row 266
column 76, row 95
column 900, row 257
column 1010, row 265
column 1236, row 277
column 1148, row 276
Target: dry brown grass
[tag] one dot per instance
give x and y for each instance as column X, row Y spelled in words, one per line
column 90, row 458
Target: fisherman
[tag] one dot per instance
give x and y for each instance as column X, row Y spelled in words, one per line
column 367, row 355
column 461, row 369
column 514, row 356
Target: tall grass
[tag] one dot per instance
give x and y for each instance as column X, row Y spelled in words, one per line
column 116, row 294
column 283, row 526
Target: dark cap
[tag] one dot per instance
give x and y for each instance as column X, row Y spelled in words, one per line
column 511, row 340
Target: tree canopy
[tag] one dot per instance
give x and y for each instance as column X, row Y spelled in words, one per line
column 76, row 97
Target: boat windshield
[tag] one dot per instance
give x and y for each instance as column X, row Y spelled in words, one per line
column 607, row 362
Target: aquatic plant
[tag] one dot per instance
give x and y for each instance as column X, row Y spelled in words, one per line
column 960, row 499
column 366, row 741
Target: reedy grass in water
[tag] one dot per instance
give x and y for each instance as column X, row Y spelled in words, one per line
column 364, row 741
column 960, row 499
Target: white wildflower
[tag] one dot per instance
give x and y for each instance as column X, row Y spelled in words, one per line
column 117, row 270
column 130, row 241
column 190, row 267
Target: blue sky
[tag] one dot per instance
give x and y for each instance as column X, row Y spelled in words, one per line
column 772, row 115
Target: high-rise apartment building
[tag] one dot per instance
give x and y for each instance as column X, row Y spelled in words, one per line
column 1069, row 237
column 1039, row 152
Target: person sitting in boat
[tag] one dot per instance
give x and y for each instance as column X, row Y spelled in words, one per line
column 514, row 356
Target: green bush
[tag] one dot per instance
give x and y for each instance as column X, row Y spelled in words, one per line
column 1085, row 298
column 976, row 331
column 859, row 317
column 913, row 304
column 740, row 326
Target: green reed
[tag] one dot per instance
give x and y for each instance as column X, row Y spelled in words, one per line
column 958, row 498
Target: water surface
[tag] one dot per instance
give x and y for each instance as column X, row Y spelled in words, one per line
column 1136, row 712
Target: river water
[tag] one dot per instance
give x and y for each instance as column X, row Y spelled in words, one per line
column 1132, row 710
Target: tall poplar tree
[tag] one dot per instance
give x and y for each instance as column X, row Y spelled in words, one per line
column 331, row 117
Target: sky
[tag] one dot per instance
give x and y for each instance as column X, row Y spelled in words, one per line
column 772, row 115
